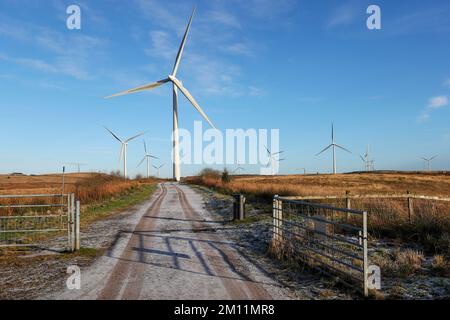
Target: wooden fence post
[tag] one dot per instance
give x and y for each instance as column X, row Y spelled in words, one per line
column 347, row 203
column 410, row 207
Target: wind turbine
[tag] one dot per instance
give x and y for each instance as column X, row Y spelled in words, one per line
column 124, row 149
column 176, row 85
column 428, row 160
column 238, row 169
column 368, row 163
column 304, row 170
column 273, row 159
column 159, row 167
column 148, row 157
column 333, row 145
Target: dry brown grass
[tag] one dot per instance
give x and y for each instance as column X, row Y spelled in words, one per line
column 429, row 225
column 433, row 184
column 89, row 188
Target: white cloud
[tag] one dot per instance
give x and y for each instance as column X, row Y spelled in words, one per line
column 437, row 102
column 433, row 104
column 447, row 83
column 343, row 15
column 240, row 48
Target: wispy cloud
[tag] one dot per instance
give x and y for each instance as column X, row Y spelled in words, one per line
column 433, row 104
column 208, row 59
column 343, row 15
column 447, row 83
column 68, row 54
column 433, row 19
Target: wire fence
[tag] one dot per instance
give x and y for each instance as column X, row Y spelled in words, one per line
column 330, row 239
column 29, row 220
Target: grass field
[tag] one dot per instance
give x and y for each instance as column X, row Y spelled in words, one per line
column 388, row 218
column 101, row 196
column 433, row 184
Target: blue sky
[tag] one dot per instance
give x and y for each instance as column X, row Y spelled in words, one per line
column 292, row 65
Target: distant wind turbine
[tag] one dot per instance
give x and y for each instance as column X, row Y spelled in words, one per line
column 238, row 169
column 158, row 167
column 369, row 164
column 273, row 159
column 124, row 149
column 333, row 145
column 428, row 160
column 148, row 157
column 176, row 85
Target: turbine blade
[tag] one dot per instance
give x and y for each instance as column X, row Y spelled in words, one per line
column 332, row 132
column 183, row 42
column 433, row 157
column 149, row 155
column 141, row 88
column 134, row 137
column 325, row 149
column 267, row 149
column 191, row 99
column 342, row 148
column 277, row 153
column 362, row 158
column 143, row 159
column 161, row 166
column 120, row 140
column 145, row 147
column 154, row 166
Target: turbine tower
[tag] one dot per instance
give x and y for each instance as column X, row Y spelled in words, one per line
column 176, row 85
column 333, row 145
column 124, row 149
column 238, row 169
column 147, row 157
column 428, row 160
column 273, row 159
column 369, row 164
column 159, row 167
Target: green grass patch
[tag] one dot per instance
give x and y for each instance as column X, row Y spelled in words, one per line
column 120, row 202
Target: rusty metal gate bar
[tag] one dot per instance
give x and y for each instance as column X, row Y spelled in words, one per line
column 330, row 239
column 23, row 222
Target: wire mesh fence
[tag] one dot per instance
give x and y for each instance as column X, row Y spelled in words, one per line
column 28, row 220
column 330, row 239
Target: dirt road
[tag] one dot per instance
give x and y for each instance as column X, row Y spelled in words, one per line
column 174, row 253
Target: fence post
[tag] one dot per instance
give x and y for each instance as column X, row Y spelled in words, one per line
column 72, row 222
column 274, row 220
column 77, row 226
column 280, row 220
column 348, row 203
column 69, row 210
column 365, row 256
column 410, row 207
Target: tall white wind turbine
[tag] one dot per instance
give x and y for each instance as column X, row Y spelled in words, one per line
column 158, row 167
column 147, row 156
column 124, row 149
column 428, row 161
column 273, row 157
column 333, row 145
column 176, row 85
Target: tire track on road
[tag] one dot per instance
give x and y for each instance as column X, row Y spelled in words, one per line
column 126, row 267
column 230, row 257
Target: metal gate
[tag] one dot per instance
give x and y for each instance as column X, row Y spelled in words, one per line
column 32, row 220
column 332, row 240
